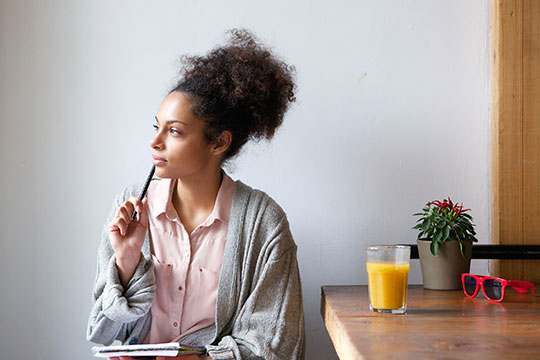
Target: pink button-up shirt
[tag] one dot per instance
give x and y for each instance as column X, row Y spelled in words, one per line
column 186, row 266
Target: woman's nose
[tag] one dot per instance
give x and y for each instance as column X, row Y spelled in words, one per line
column 155, row 142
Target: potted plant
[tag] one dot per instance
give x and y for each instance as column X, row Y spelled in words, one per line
column 446, row 234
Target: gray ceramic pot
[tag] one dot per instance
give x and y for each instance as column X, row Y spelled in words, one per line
column 443, row 272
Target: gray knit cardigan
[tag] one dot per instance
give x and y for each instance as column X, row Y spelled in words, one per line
column 259, row 310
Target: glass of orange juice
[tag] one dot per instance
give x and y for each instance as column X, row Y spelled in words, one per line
column 388, row 269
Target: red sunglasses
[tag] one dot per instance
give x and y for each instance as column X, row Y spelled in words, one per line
column 492, row 287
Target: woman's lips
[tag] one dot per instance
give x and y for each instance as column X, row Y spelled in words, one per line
column 156, row 160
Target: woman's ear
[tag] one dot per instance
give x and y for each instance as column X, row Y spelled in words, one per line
column 222, row 143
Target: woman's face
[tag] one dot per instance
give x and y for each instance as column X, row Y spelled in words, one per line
column 179, row 148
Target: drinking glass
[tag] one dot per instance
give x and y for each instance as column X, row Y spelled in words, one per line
column 388, row 269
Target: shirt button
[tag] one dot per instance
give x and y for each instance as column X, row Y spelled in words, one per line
column 200, row 270
column 169, row 265
column 180, row 288
column 175, row 324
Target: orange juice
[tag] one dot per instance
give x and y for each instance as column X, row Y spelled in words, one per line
column 387, row 285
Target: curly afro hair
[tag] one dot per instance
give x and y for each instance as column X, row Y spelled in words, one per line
column 240, row 87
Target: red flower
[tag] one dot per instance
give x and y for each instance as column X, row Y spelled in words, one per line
column 447, row 203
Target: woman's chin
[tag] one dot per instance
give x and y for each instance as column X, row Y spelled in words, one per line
column 162, row 173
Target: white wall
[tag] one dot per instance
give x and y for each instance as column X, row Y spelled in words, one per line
column 392, row 112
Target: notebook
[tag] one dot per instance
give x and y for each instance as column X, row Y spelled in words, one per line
column 166, row 349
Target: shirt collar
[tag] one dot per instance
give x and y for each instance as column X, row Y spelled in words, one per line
column 162, row 198
column 222, row 206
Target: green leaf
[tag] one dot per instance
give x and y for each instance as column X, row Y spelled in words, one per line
column 437, row 237
column 461, row 249
column 446, row 233
column 434, row 248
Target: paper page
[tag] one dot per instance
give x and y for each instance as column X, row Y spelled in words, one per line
column 166, row 349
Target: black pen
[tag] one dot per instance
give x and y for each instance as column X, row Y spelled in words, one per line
column 145, row 188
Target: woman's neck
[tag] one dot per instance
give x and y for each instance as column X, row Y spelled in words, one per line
column 194, row 198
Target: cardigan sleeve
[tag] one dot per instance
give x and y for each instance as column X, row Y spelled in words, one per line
column 120, row 313
column 270, row 323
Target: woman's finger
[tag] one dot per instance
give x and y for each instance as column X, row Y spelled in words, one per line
column 111, row 226
column 135, row 202
column 131, row 202
column 125, row 212
column 119, row 224
column 137, row 205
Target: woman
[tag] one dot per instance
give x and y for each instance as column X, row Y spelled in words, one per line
column 209, row 261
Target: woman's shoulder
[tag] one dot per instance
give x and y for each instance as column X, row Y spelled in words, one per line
column 263, row 221
column 257, row 204
column 254, row 196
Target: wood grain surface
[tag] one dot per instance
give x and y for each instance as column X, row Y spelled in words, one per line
column 437, row 325
column 515, row 132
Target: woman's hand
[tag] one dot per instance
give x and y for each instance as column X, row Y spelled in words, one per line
column 127, row 236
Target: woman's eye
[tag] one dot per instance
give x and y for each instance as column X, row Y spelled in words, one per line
column 171, row 130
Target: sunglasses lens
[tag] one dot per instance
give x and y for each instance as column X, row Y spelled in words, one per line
column 470, row 285
column 493, row 289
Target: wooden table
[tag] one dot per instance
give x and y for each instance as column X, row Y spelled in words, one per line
column 437, row 325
